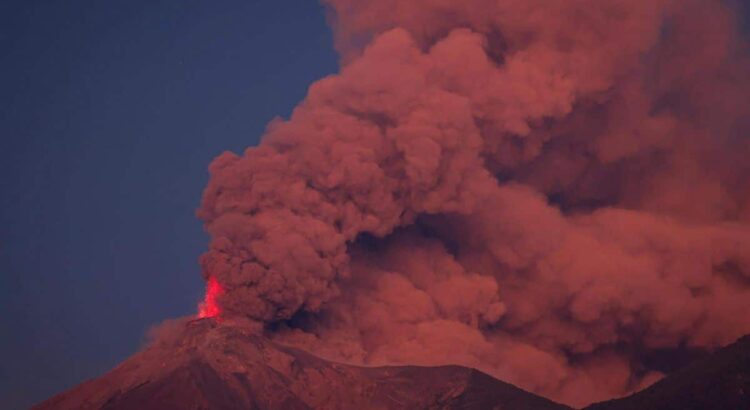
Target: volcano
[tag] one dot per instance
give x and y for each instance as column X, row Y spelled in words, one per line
column 720, row 381
column 210, row 364
column 206, row 364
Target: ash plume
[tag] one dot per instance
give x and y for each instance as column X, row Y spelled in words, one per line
column 546, row 190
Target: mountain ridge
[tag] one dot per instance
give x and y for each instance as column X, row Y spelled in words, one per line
column 205, row 364
column 719, row 381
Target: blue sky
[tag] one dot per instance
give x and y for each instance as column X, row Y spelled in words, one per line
column 111, row 113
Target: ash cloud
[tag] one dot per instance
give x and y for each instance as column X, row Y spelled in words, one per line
column 544, row 190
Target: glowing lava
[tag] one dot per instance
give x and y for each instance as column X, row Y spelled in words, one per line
column 209, row 307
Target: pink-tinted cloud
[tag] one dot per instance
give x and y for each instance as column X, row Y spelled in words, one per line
column 544, row 190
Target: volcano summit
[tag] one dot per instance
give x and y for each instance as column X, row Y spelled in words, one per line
column 205, row 364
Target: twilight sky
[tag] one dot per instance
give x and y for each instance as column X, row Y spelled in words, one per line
column 111, row 114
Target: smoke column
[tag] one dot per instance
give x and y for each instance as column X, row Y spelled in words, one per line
column 556, row 192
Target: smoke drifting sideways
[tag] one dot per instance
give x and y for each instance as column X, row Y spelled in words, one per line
column 551, row 191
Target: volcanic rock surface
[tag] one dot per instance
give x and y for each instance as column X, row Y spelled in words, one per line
column 205, row 364
column 721, row 382
column 210, row 365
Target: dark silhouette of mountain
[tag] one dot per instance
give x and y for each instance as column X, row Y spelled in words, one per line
column 205, row 365
column 718, row 382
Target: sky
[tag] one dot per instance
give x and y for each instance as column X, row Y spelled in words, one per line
column 111, row 113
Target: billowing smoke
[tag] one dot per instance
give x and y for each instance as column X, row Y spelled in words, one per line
column 556, row 192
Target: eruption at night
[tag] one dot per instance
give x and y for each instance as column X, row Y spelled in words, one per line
column 553, row 192
column 209, row 307
column 549, row 191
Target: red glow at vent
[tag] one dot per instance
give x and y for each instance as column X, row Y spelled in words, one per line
column 209, row 307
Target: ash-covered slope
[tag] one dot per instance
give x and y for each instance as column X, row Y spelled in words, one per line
column 205, row 365
column 718, row 382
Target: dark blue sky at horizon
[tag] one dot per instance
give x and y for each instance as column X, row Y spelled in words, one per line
column 111, row 114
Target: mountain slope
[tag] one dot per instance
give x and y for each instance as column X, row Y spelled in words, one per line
column 720, row 382
column 205, row 365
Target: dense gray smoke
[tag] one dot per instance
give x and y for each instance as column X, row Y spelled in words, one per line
column 547, row 190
